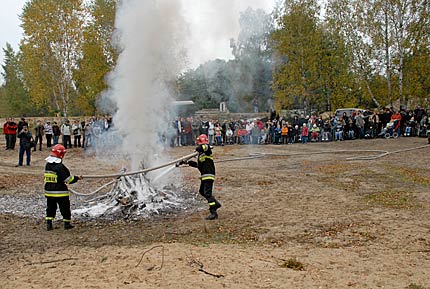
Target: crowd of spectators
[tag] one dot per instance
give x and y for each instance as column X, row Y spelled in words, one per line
column 72, row 134
column 275, row 129
column 303, row 129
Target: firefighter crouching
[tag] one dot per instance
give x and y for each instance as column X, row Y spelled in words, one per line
column 56, row 178
column 206, row 166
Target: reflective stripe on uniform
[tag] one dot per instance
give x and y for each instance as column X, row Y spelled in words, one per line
column 65, row 220
column 49, row 218
column 69, row 179
column 212, row 204
column 204, row 147
column 204, row 157
column 57, row 194
column 207, row 177
column 50, row 177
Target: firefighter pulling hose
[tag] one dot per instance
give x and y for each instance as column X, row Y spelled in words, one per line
column 56, row 178
column 206, row 166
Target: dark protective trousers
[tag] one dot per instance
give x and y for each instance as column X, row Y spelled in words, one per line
column 206, row 191
column 63, row 203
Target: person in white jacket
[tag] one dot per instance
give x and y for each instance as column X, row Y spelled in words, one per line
column 66, row 131
column 77, row 129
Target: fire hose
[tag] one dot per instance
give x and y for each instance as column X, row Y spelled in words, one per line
column 119, row 175
column 187, row 157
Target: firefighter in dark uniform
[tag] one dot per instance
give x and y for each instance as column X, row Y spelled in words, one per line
column 56, row 178
column 206, row 166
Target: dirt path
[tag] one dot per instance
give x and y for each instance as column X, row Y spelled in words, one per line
column 304, row 221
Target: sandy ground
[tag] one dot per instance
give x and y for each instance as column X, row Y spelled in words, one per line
column 295, row 218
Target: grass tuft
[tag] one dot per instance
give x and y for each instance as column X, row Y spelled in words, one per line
column 392, row 199
column 294, row 264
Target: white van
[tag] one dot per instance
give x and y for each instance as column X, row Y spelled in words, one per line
column 339, row 112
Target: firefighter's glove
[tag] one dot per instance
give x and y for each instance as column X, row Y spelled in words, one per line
column 183, row 162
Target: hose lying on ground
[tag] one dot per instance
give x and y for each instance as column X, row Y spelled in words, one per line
column 260, row 155
column 387, row 153
column 381, row 153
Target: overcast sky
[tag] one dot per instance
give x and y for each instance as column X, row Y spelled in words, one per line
column 11, row 32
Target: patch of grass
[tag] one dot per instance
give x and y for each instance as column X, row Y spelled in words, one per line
column 392, row 199
column 247, row 234
column 264, row 183
column 414, row 286
column 413, row 176
column 367, row 236
column 294, row 264
column 335, row 168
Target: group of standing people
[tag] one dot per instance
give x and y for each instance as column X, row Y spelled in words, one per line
column 14, row 131
column 304, row 129
column 54, row 133
column 187, row 129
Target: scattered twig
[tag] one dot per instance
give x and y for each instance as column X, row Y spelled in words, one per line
column 51, row 261
column 423, row 251
column 215, row 275
column 178, row 233
column 192, row 261
column 162, row 255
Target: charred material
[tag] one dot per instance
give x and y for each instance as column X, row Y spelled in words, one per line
column 133, row 197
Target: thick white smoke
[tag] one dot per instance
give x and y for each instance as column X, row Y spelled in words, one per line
column 157, row 39
column 151, row 37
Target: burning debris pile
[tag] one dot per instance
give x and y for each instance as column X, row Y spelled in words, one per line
column 132, row 195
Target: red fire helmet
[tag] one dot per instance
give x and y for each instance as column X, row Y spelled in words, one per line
column 202, row 139
column 58, row 151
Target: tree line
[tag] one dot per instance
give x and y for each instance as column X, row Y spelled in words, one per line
column 349, row 53
column 63, row 58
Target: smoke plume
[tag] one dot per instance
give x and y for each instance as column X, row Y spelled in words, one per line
column 151, row 37
column 157, row 38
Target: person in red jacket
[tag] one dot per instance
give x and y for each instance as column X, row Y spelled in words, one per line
column 305, row 133
column 6, row 132
column 12, row 128
column 396, row 119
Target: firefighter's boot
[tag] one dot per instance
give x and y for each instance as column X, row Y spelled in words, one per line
column 49, row 226
column 213, row 215
column 68, row 226
column 212, row 209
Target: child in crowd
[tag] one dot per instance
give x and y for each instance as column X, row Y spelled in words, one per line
column 304, row 134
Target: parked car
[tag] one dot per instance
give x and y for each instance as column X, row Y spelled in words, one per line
column 339, row 112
